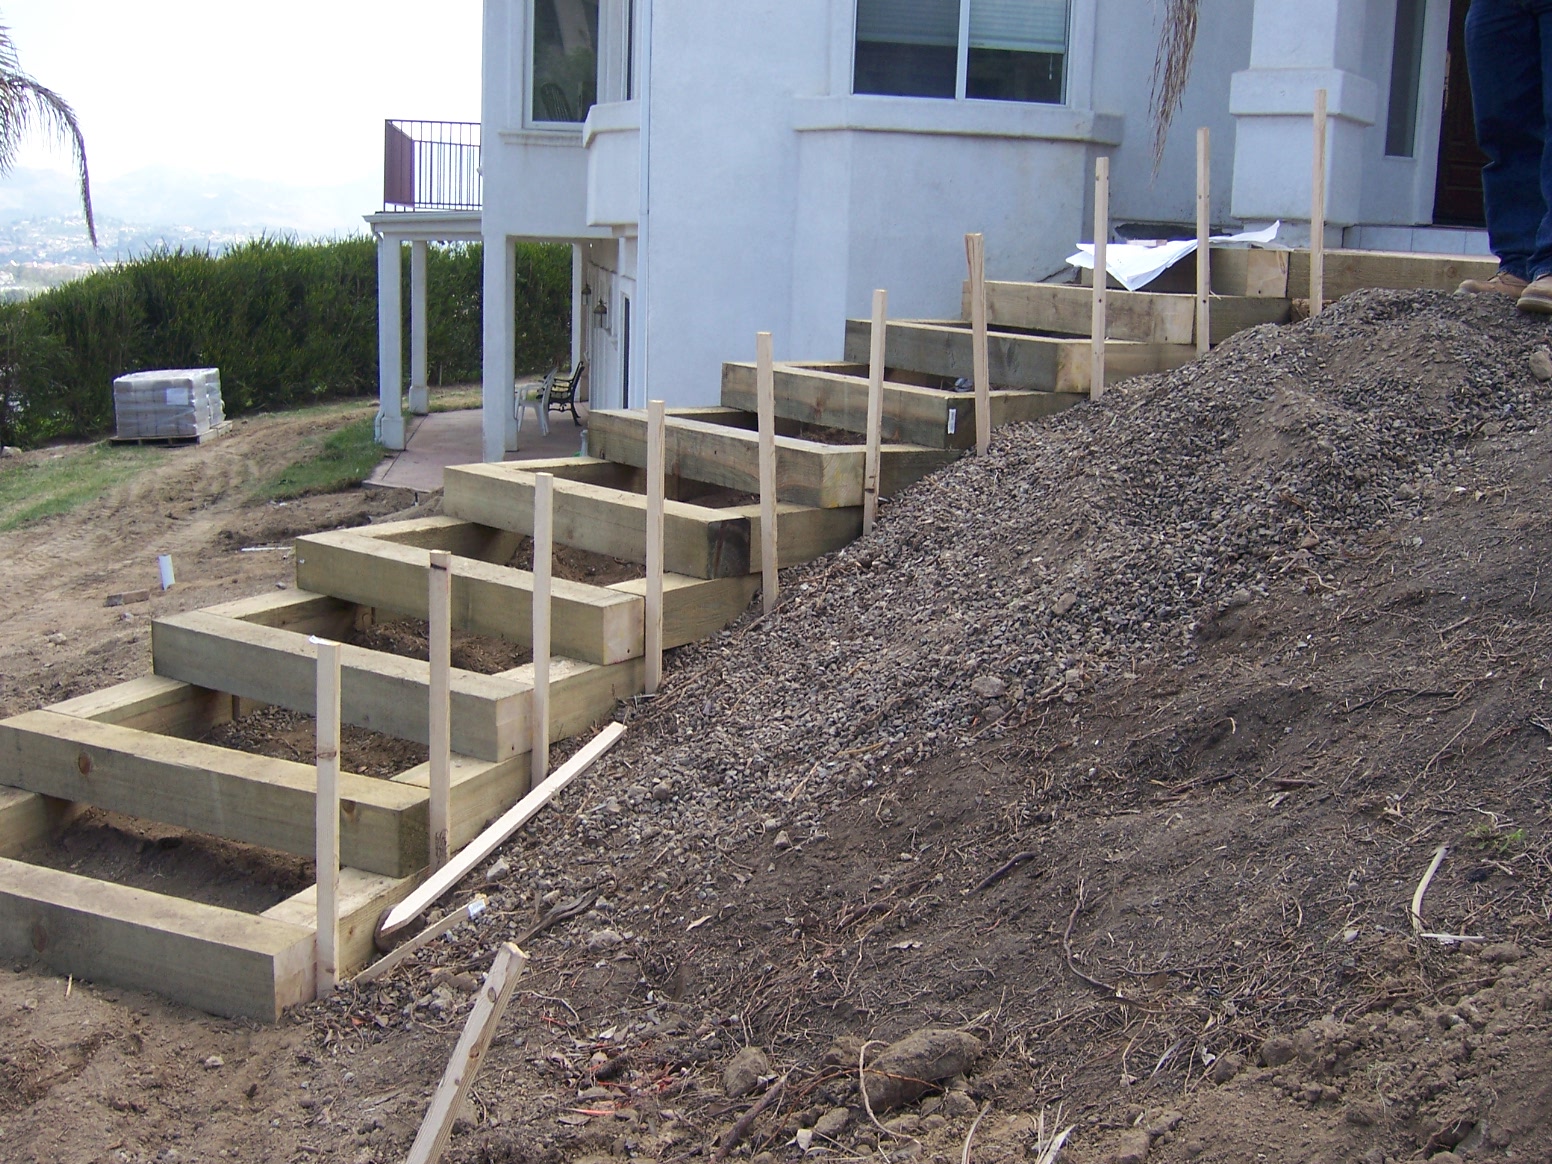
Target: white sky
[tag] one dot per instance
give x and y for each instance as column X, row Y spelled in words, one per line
column 293, row 91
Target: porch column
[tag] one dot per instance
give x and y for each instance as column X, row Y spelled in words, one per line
column 498, row 422
column 420, row 396
column 1296, row 49
column 578, row 308
column 390, row 370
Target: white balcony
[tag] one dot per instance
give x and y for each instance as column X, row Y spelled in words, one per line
column 612, row 135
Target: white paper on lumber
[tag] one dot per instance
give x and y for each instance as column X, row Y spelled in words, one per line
column 1136, row 264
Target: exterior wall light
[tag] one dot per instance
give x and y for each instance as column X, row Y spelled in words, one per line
column 587, row 295
column 601, row 314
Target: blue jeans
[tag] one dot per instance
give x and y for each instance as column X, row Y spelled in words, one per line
column 1509, row 55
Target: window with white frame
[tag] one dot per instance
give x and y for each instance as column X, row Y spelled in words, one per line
column 992, row 50
column 565, row 59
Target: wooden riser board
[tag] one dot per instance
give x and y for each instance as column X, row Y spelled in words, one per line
column 590, row 623
column 381, row 692
column 1349, row 271
column 218, row 960
column 699, row 542
column 807, row 472
column 1016, row 361
column 1240, row 271
column 837, row 397
column 362, row 899
column 252, row 799
column 1140, row 316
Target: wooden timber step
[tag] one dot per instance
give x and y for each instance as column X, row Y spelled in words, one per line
column 1347, row 271
column 836, row 396
column 252, row 799
column 699, row 542
column 1141, row 316
column 808, row 472
column 1044, row 363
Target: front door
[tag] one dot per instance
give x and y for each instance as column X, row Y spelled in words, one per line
column 1458, row 193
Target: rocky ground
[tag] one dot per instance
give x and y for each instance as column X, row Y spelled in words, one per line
column 1087, row 800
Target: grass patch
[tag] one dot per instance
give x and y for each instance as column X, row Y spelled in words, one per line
column 327, row 464
column 32, row 489
column 456, row 398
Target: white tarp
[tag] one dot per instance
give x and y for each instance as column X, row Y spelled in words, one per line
column 1136, row 264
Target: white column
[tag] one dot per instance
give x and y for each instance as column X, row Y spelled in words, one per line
column 1296, row 49
column 420, row 396
column 498, row 422
column 390, row 338
column 578, row 309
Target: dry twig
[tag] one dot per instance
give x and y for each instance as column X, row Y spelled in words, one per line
column 964, row 1157
column 740, row 1129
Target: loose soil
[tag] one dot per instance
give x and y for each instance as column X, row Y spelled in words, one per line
column 1123, row 749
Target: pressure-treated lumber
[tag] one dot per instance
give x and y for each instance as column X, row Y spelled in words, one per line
column 652, row 634
column 1018, row 361
column 1203, row 240
column 807, row 472
column 153, row 703
column 698, row 541
column 492, row 838
column 362, row 898
column 1318, row 208
column 975, row 253
column 432, row 932
column 1349, row 271
column 381, row 692
column 326, row 814
column 873, row 431
column 765, row 409
column 437, row 1128
column 253, row 799
column 293, row 610
column 695, row 608
column 439, row 643
column 1253, row 272
column 28, row 819
column 218, row 960
column 1140, row 316
column 836, row 396
column 588, row 622
column 543, row 564
column 1097, row 328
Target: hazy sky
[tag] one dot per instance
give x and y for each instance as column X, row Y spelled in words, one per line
column 289, row 90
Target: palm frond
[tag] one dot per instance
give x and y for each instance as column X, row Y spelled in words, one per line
column 1171, row 70
column 26, row 105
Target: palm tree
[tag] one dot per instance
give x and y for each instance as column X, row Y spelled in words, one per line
column 25, row 105
column 1171, row 69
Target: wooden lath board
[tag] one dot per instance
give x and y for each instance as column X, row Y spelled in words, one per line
column 1141, row 316
column 378, row 691
column 253, row 799
column 1042, row 363
column 591, row 623
column 697, row 541
column 218, row 960
column 807, row 473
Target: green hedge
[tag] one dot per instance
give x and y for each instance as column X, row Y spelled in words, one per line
column 286, row 322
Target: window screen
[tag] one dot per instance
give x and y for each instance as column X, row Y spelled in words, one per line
column 907, row 48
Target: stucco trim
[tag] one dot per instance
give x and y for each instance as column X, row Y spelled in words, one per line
column 1291, row 92
column 922, row 115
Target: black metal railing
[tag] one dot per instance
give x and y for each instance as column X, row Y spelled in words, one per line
column 431, row 165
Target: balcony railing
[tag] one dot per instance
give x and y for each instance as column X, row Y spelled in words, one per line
column 431, row 165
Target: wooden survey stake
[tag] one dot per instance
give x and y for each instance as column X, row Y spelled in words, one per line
column 1101, row 277
column 652, row 636
column 765, row 407
column 875, row 417
column 326, row 820
column 437, row 1128
column 439, row 638
column 980, row 363
column 1318, row 209
column 543, row 561
column 1203, row 241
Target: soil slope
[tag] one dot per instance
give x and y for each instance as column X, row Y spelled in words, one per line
column 1122, row 750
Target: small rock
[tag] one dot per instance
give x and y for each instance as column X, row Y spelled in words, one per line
column 1133, row 1147
column 499, row 870
column 1503, row 952
column 783, row 841
column 832, row 1123
column 1450, row 1157
column 1277, row 1050
column 1541, row 368
column 1063, row 604
column 603, row 940
column 214, row 1062
column 1166, row 1121
column 907, row 1069
column 743, row 1074
column 956, row 1105
column 988, row 686
column 58, row 638
column 1226, row 1067
column 663, row 790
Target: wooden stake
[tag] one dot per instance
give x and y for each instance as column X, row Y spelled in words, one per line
column 326, row 819
column 1203, row 242
column 437, row 1128
column 1318, row 209
column 653, row 636
column 543, row 561
column 1101, row 277
column 435, row 930
column 765, row 406
column 875, row 410
column 440, row 641
column 493, row 837
column 975, row 253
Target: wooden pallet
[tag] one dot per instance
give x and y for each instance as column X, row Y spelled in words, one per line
column 210, row 434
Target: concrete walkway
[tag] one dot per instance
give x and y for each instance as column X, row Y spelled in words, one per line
column 453, row 438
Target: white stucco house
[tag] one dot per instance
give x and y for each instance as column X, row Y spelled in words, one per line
column 722, row 168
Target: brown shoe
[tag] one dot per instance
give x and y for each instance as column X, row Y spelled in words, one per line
column 1501, row 283
column 1537, row 296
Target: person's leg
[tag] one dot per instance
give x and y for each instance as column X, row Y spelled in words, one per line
column 1538, row 296
column 1504, row 57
